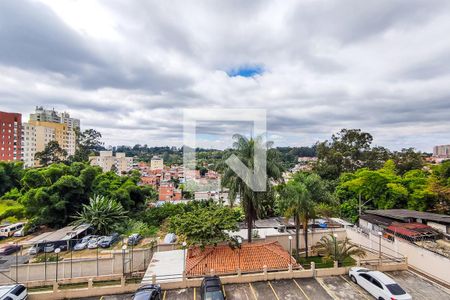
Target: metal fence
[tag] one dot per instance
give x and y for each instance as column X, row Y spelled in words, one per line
column 120, row 258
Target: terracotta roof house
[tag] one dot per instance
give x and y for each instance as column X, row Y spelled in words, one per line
column 251, row 257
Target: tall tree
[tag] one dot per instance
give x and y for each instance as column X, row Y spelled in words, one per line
column 52, row 153
column 10, row 176
column 347, row 151
column 251, row 201
column 299, row 198
column 407, row 160
column 88, row 142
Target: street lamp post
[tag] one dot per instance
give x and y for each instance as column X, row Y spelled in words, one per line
column 57, row 250
column 45, row 263
column 239, row 241
column 71, row 257
column 380, row 234
column 184, row 256
column 290, row 248
column 97, row 259
column 124, row 247
column 17, row 265
column 335, row 246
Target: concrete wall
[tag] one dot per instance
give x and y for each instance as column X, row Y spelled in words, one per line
column 425, row 261
column 91, row 291
column 136, row 261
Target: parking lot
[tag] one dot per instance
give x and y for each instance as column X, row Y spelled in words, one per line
column 326, row 288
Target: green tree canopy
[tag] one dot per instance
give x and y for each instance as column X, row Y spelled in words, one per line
column 386, row 188
column 300, row 197
column 205, row 225
column 52, row 153
column 255, row 204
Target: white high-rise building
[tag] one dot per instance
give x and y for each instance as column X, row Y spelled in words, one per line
column 442, row 151
column 34, row 139
column 106, row 160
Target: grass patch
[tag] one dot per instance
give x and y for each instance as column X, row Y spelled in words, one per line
column 106, row 283
column 306, row 262
column 68, row 286
column 134, row 280
column 40, row 289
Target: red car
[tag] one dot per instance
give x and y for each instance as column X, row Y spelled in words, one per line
column 9, row 249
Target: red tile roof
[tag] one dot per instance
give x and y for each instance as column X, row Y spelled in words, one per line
column 225, row 260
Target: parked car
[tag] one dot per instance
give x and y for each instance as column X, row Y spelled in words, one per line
column 170, row 238
column 49, row 248
column 211, row 289
column 83, row 243
column 378, row 284
column 9, row 249
column 22, row 232
column 62, row 247
column 35, row 249
column 93, row 243
column 109, row 240
column 148, row 292
column 134, row 239
column 9, row 230
column 13, row 292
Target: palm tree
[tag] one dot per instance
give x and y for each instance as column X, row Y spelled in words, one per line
column 335, row 250
column 102, row 213
column 251, row 201
column 299, row 198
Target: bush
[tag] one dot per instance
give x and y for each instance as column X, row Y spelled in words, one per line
column 133, row 226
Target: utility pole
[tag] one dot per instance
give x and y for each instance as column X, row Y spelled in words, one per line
column 361, row 205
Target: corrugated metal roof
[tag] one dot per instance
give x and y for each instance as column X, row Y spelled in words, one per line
column 62, row 234
column 405, row 214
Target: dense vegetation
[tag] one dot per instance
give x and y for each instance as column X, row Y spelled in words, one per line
column 349, row 171
column 53, row 195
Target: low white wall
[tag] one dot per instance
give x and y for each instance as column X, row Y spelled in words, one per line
column 425, row 261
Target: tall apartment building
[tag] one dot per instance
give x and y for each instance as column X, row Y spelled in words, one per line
column 106, row 160
column 47, row 125
column 442, row 151
column 50, row 115
column 10, row 136
column 35, row 138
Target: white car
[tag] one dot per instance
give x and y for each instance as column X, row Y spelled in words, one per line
column 378, row 284
column 13, row 292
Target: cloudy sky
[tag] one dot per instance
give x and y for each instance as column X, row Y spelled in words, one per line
column 129, row 68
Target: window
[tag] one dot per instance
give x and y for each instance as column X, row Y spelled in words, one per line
column 18, row 290
column 366, row 277
column 376, row 283
column 395, row 289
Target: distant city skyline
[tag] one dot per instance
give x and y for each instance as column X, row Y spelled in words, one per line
column 128, row 69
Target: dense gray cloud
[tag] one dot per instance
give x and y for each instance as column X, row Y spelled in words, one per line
column 129, row 68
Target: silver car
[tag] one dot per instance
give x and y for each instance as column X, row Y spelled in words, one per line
column 83, row 243
column 35, row 250
column 93, row 243
column 48, row 248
